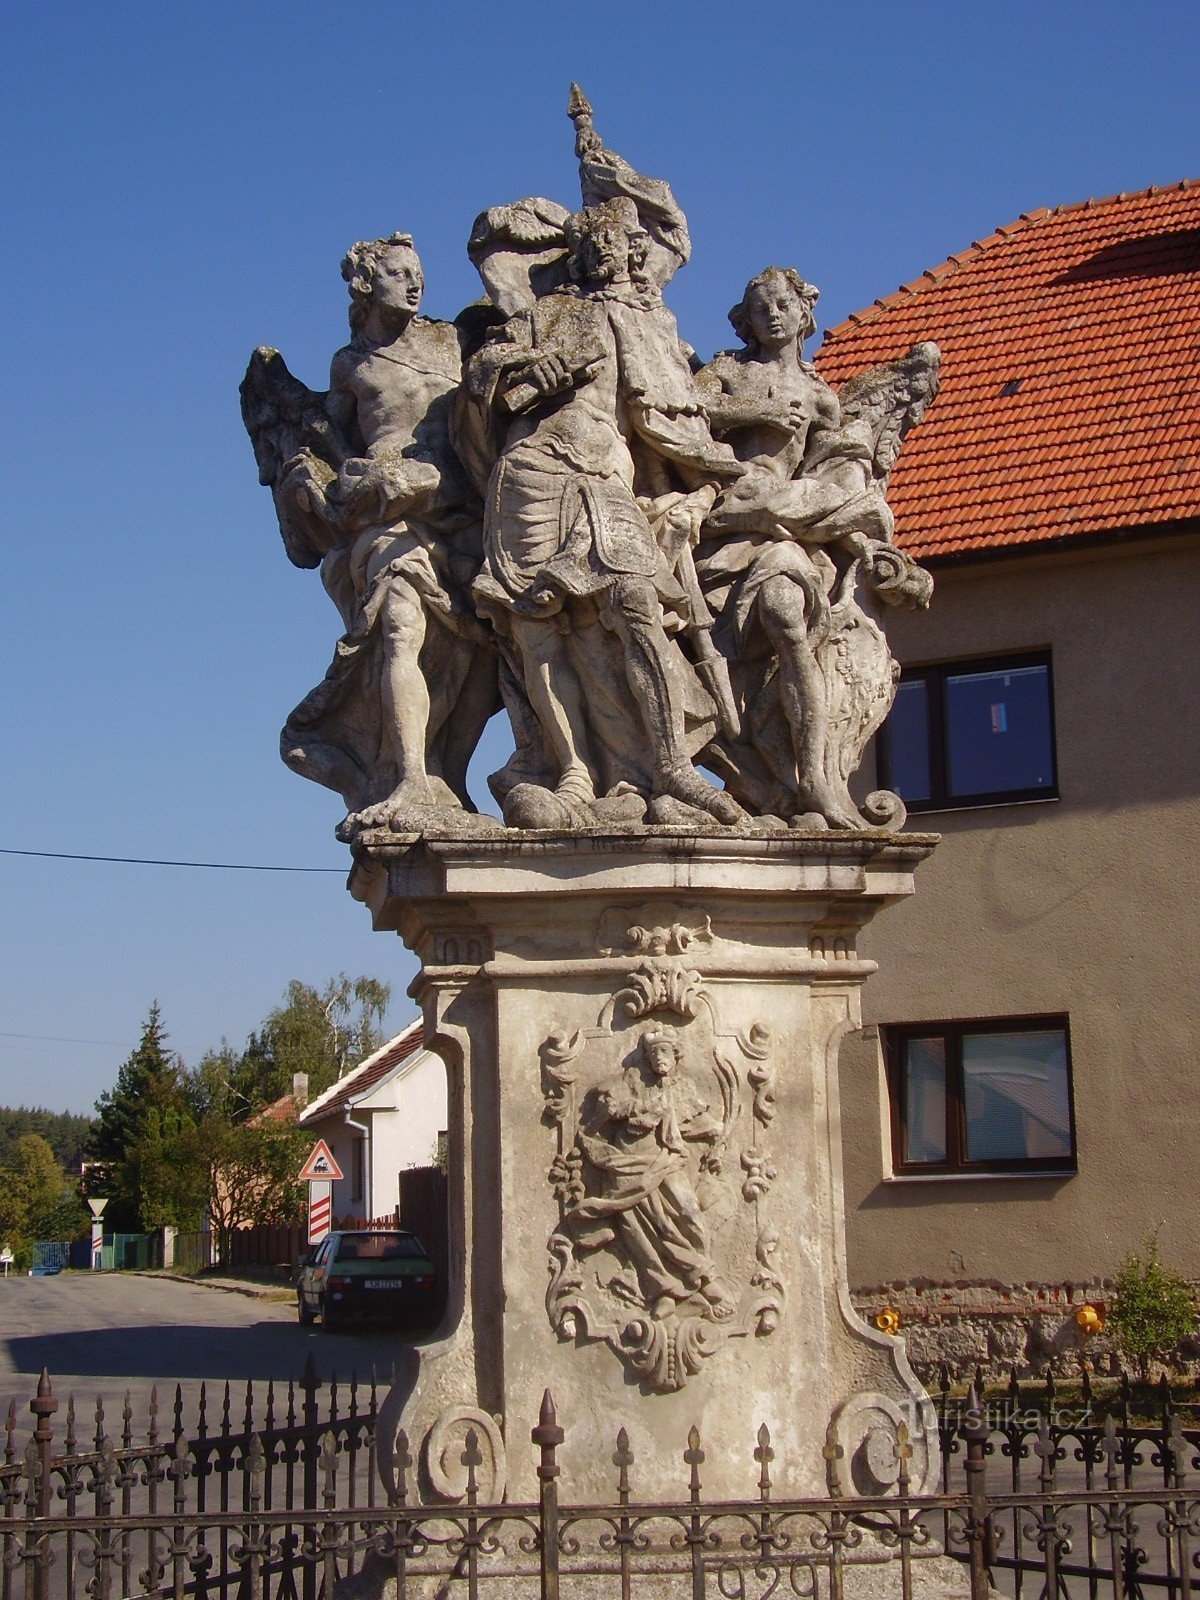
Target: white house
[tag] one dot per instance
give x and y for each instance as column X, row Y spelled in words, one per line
column 386, row 1114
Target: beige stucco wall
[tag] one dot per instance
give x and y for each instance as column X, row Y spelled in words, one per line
column 1087, row 905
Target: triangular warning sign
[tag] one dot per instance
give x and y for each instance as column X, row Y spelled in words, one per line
column 320, row 1164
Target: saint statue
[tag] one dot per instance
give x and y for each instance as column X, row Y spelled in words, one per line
column 635, row 1135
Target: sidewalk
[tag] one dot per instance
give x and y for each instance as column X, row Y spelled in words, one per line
column 279, row 1293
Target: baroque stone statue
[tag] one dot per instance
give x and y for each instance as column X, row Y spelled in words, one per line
column 670, row 574
column 654, row 565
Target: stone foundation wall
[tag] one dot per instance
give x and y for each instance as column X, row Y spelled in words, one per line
column 1029, row 1328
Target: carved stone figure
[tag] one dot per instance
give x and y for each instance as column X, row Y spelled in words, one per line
column 784, row 547
column 633, row 1134
column 573, row 562
column 658, row 1134
column 367, row 485
column 545, row 505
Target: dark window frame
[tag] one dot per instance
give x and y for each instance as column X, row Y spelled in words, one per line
column 934, row 675
column 952, row 1032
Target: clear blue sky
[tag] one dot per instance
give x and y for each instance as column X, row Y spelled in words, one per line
column 180, row 181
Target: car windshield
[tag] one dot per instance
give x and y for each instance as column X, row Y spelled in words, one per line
column 379, row 1247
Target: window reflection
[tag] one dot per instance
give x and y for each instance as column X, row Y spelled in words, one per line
column 908, row 734
column 998, row 731
column 1016, row 1096
column 925, row 1099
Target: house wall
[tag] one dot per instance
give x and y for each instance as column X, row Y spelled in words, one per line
column 1086, row 904
column 407, row 1114
column 340, row 1140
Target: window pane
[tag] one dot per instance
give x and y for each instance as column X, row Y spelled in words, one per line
column 1016, row 1093
column 925, row 1099
column 998, row 731
column 908, row 741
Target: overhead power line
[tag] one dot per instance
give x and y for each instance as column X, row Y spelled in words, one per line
column 150, row 861
column 54, row 1038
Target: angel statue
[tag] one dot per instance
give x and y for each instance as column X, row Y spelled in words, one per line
column 793, row 552
column 367, row 486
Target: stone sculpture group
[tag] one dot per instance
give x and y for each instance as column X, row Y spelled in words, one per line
column 550, row 505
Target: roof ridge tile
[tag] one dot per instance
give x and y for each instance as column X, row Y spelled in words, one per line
column 958, row 259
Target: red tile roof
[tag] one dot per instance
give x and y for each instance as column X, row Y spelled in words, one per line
column 366, row 1075
column 1095, row 308
column 286, row 1109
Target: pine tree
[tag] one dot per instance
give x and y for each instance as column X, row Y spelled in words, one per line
column 148, row 1080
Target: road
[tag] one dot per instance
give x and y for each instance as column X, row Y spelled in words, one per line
column 111, row 1333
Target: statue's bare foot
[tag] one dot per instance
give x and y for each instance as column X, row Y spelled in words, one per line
column 413, row 797
column 417, row 805
column 686, row 784
column 822, row 798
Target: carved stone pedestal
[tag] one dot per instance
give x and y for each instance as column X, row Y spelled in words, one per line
column 641, row 1034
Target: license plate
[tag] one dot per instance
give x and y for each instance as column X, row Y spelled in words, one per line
column 383, row 1283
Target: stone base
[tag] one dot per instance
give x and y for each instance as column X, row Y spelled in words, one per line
column 641, row 1034
column 877, row 1576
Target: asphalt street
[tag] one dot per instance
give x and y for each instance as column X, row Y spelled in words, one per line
column 108, row 1334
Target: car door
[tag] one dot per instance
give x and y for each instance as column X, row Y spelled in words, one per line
column 312, row 1274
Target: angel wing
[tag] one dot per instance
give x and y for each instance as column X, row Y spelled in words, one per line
column 298, row 450
column 888, row 400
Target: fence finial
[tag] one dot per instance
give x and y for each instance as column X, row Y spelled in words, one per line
column 548, row 1436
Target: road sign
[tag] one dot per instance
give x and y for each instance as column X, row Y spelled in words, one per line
column 320, row 1206
column 96, row 1207
column 320, row 1164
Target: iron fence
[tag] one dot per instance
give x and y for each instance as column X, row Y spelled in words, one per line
column 277, row 1497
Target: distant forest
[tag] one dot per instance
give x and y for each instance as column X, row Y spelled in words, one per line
column 64, row 1131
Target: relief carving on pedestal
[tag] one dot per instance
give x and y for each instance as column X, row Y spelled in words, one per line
column 664, row 1247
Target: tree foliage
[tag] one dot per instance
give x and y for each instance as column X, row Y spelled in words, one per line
column 65, row 1132
column 171, row 1145
column 1155, row 1307
column 253, row 1170
column 148, row 1081
column 37, row 1200
column 322, row 1033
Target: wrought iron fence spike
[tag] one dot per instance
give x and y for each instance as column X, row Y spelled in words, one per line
column 623, row 1460
column 832, row 1454
column 310, row 1382
column 1177, row 1445
column 693, row 1458
column 764, row 1455
column 547, row 1435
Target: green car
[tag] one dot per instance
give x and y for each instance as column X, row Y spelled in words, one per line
column 367, row 1273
